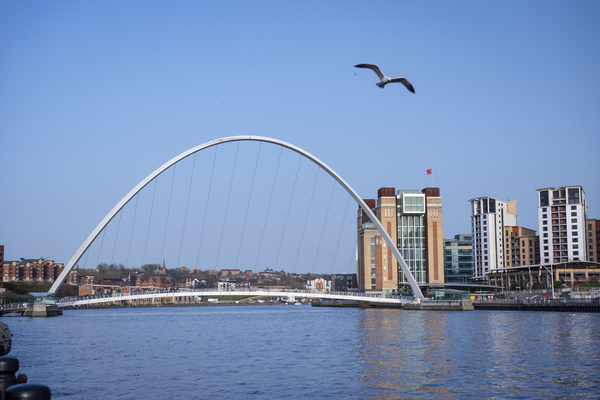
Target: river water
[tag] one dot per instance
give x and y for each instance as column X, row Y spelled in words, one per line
column 301, row 352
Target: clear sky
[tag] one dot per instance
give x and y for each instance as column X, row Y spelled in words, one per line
column 96, row 95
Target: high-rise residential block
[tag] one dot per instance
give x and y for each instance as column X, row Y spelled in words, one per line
column 489, row 217
column 562, row 214
column 522, row 246
column 592, row 239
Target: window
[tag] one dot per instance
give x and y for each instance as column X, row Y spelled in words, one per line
column 573, row 197
column 573, row 214
column 573, row 220
column 545, row 241
column 589, row 233
column 546, row 255
column 544, row 222
column 543, row 198
column 575, row 240
column 575, row 253
column 589, row 227
column 590, row 241
column 545, row 247
column 574, row 233
column 573, row 226
column 545, row 235
column 485, row 246
column 545, row 228
column 573, row 207
column 544, row 215
column 575, row 246
column 544, row 209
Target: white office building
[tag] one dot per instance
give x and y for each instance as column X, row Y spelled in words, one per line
column 489, row 216
column 562, row 214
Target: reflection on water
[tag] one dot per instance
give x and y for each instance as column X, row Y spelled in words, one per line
column 274, row 352
column 412, row 354
column 402, row 355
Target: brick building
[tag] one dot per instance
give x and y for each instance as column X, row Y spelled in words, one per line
column 35, row 271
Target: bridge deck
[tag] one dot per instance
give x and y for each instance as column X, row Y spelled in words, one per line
column 254, row 292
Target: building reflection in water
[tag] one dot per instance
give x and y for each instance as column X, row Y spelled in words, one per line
column 403, row 354
column 480, row 354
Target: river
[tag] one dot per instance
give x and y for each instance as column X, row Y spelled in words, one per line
column 301, row 352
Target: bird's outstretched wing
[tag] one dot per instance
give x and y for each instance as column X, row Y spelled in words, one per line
column 405, row 82
column 374, row 67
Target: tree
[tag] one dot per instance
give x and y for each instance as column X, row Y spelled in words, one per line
column 102, row 267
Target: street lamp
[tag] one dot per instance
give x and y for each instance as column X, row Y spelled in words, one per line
column 551, row 278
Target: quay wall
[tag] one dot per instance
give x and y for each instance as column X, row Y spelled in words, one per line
column 555, row 306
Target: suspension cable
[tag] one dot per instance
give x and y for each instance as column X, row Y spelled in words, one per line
column 137, row 200
column 247, row 206
column 340, row 235
column 168, row 210
column 353, row 258
column 227, row 205
column 186, row 210
column 288, row 212
column 324, row 225
column 206, row 207
column 268, row 208
column 306, row 219
column 101, row 244
column 87, row 254
column 116, row 237
column 149, row 223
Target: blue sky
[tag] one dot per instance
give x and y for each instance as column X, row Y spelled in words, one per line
column 96, row 95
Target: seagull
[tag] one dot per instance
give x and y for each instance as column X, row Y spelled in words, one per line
column 386, row 79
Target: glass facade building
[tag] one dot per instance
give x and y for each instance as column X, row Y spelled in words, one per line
column 458, row 259
column 411, row 234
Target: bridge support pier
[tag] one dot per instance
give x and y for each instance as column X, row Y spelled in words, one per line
column 42, row 310
column 41, row 305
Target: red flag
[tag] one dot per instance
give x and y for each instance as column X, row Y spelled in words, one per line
column 429, row 171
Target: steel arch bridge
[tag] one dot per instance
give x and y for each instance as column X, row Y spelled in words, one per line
column 71, row 264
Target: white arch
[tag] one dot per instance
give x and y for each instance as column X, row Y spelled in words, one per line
column 411, row 280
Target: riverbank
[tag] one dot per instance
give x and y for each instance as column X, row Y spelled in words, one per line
column 587, row 307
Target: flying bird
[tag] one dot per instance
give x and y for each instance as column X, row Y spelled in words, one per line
column 384, row 80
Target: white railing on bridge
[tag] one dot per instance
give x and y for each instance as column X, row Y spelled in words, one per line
column 106, row 298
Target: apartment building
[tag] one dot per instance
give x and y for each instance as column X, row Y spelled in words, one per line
column 593, row 240
column 562, row 215
column 489, row 217
column 522, row 246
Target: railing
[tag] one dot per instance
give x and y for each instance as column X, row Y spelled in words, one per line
column 13, row 306
column 185, row 292
column 540, row 300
